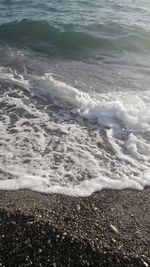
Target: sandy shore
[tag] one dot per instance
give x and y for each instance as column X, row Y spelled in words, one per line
column 110, row 228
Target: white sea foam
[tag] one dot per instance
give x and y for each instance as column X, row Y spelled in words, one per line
column 124, row 110
column 59, row 152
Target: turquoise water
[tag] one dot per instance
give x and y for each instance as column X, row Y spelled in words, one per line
column 113, row 25
column 74, row 95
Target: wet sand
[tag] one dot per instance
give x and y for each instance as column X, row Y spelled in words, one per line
column 109, row 228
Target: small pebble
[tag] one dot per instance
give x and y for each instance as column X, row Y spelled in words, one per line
column 145, row 264
column 113, row 240
column 78, row 207
column 114, row 228
column 64, row 233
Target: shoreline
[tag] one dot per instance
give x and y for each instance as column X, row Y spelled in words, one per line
column 109, row 228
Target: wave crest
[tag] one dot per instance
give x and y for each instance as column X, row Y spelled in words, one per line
column 37, row 32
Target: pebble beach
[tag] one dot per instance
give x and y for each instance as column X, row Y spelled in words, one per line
column 110, row 228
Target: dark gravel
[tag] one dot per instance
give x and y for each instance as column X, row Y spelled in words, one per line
column 110, row 228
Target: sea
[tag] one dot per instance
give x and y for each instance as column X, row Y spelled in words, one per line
column 74, row 95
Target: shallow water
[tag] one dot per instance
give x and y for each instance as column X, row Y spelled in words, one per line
column 74, row 95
